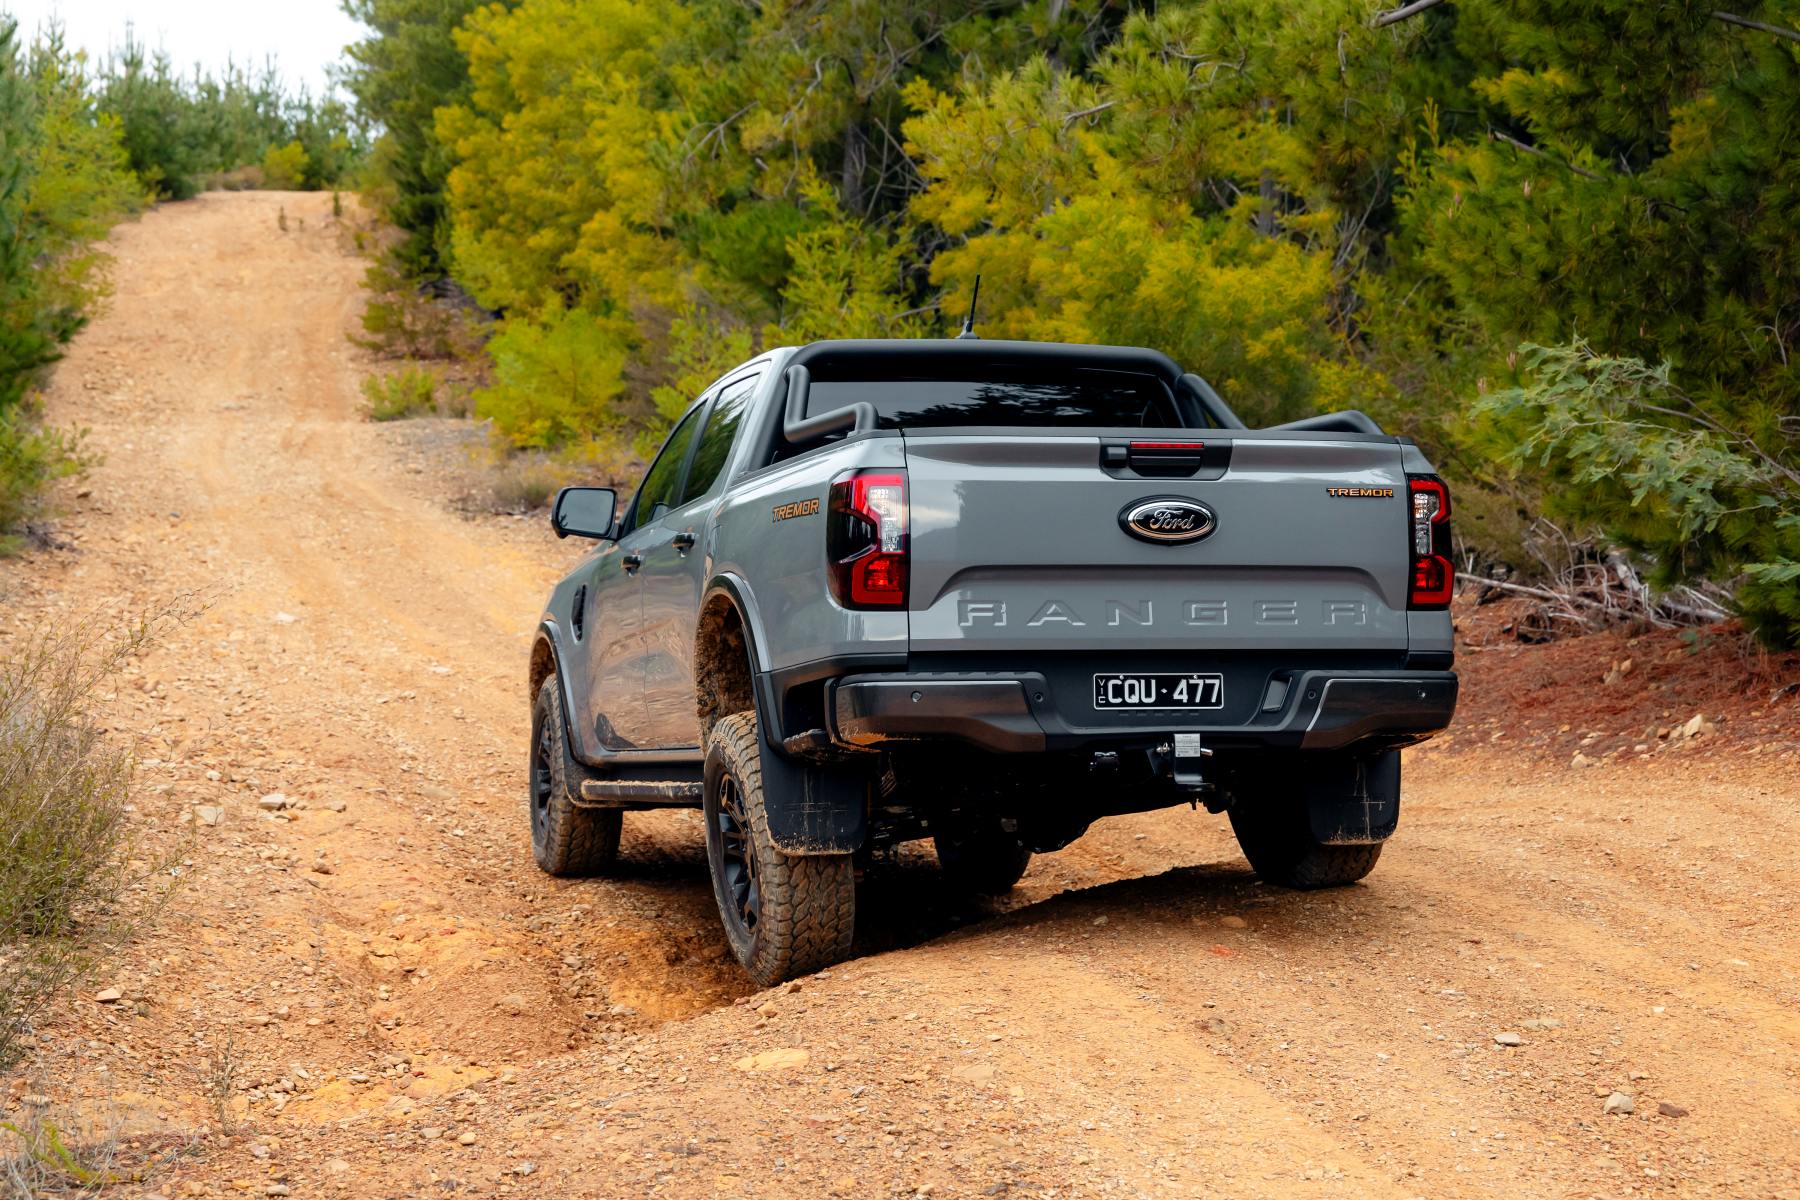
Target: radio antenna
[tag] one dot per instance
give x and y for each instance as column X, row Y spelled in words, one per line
column 968, row 329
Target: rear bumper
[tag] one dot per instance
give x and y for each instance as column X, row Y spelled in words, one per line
column 1017, row 713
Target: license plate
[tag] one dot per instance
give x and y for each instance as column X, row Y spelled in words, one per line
column 1158, row 690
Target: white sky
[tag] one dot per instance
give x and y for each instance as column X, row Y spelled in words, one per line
column 304, row 36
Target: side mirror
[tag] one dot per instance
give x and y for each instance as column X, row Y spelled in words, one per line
column 584, row 511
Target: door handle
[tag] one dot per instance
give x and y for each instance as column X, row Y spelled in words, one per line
column 632, row 562
column 683, row 541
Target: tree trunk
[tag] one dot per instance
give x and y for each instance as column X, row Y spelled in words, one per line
column 856, row 158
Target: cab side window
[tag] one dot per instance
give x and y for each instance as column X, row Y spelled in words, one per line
column 721, row 431
column 656, row 495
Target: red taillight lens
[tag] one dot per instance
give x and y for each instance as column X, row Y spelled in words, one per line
column 1433, row 575
column 865, row 539
column 1432, row 582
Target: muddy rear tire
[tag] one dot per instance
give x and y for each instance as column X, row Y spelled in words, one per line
column 565, row 840
column 784, row 915
column 981, row 859
column 1277, row 838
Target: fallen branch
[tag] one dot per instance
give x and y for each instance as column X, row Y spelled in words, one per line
column 1657, row 610
column 1086, row 112
column 1733, row 19
column 1521, row 589
column 1383, row 20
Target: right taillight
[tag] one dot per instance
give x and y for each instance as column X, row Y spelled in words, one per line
column 1433, row 576
column 865, row 539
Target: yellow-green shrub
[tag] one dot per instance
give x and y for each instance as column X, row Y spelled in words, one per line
column 284, row 167
column 408, row 393
column 559, row 378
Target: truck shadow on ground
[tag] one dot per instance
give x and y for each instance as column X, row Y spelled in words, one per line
column 904, row 901
column 1221, row 902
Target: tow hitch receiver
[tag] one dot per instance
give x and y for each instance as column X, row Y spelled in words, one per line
column 1181, row 756
column 1189, row 754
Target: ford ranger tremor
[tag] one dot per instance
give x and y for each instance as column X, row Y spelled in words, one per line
column 985, row 592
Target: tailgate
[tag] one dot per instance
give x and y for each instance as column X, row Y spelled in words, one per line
column 1019, row 541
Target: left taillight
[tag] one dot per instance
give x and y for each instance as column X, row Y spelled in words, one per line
column 865, row 539
column 1433, row 575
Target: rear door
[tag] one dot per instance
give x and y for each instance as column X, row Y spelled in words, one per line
column 618, row 662
column 674, row 571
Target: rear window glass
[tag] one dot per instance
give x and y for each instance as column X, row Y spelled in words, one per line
column 1074, row 398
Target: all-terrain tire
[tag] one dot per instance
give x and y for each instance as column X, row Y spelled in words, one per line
column 982, row 859
column 565, row 840
column 1277, row 838
column 784, row 915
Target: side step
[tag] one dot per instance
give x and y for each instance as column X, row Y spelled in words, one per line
column 641, row 793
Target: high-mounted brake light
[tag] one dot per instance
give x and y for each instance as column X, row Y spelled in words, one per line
column 865, row 539
column 1433, row 575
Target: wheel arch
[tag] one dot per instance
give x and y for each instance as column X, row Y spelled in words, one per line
column 543, row 660
column 727, row 659
column 547, row 659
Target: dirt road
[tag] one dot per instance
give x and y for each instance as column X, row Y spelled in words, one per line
column 409, row 1008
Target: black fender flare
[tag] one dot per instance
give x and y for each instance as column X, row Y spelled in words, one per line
column 575, row 768
column 550, row 635
column 812, row 808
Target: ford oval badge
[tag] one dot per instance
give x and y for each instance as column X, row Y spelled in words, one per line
column 1170, row 520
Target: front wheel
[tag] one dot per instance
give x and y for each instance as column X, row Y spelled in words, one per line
column 565, row 839
column 784, row 915
column 1276, row 836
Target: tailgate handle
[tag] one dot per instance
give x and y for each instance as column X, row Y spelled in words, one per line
column 1166, row 459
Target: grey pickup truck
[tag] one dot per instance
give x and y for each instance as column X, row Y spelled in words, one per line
column 985, row 592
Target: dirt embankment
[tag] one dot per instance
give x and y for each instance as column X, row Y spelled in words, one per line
column 410, row 1008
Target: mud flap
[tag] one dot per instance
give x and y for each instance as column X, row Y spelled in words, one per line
column 814, row 809
column 1353, row 801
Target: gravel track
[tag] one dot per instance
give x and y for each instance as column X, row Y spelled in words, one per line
column 413, row 1009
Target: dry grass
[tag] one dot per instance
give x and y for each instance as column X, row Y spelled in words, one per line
column 47, row 1153
column 219, row 1082
column 526, row 482
column 247, row 178
column 70, row 892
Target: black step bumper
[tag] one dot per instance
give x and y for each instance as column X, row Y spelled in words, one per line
column 1018, row 713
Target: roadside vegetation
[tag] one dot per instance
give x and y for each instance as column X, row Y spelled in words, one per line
column 63, row 181
column 82, row 147
column 1318, row 206
column 412, row 392
column 74, row 882
column 239, row 129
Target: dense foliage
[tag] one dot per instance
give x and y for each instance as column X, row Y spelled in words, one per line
column 63, row 179
column 1620, row 443
column 184, row 132
column 1316, row 205
column 400, row 77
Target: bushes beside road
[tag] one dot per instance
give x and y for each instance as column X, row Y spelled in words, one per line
column 64, row 178
column 1318, row 205
column 185, row 133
